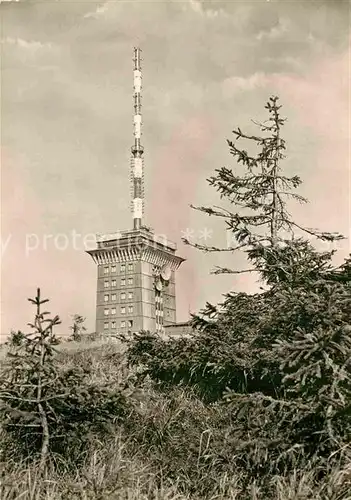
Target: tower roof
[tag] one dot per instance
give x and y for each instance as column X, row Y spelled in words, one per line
column 135, row 244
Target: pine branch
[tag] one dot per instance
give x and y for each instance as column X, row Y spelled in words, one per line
column 206, row 248
column 224, row 270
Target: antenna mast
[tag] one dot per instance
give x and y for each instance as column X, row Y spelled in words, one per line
column 137, row 163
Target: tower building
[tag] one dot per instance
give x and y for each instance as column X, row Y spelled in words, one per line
column 135, row 268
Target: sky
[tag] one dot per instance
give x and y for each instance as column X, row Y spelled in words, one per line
column 208, row 67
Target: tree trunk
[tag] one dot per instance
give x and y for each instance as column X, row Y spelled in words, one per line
column 45, row 438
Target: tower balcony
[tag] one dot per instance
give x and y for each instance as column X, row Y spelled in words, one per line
column 137, row 149
column 135, row 244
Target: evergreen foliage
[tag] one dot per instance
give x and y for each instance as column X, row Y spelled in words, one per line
column 279, row 361
column 78, row 328
column 16, row 338
column 46, row 409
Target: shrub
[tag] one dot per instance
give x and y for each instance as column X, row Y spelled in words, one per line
column 48, row 409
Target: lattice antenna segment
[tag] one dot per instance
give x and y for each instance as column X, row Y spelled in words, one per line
column 137, row 163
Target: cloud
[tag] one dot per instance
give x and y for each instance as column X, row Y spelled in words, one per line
column 238, row 83
column 32, row 46
column 284, row 62
column 98, row 12
column 198, row 7
column 276, row 32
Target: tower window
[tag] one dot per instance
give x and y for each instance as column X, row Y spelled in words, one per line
column 106, row 297
column 123, row 324
column 130, row 295
column 131, row 267
column 106, row 270
column 113, row 297
column 130, row 281
column 123, row 310
column 106, row 312
column 113, row 283
column 113, row 269
column 106, row 283
column 123, row 268
column 113, row 324
column 123, row 296
column 113, row 310
column 106, row 325
column 130, row 309
column 123, row 282
column 130, row 323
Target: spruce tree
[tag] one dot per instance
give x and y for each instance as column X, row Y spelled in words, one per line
column 259, row 193
column 78, row 328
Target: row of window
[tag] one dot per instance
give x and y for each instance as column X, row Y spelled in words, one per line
column 123, row 296
column 130, row 295
column 123, row 310
column 107, row 283
column 114, row 282
column 123, row 324
column 122, row 268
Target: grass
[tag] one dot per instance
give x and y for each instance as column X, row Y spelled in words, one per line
column 110, row 473
column 132, row 466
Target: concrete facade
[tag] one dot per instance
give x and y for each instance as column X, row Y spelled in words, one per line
column 129, row 265
column 178, row 330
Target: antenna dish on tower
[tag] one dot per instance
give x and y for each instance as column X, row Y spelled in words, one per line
column 166, row 273
column 158, row 285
